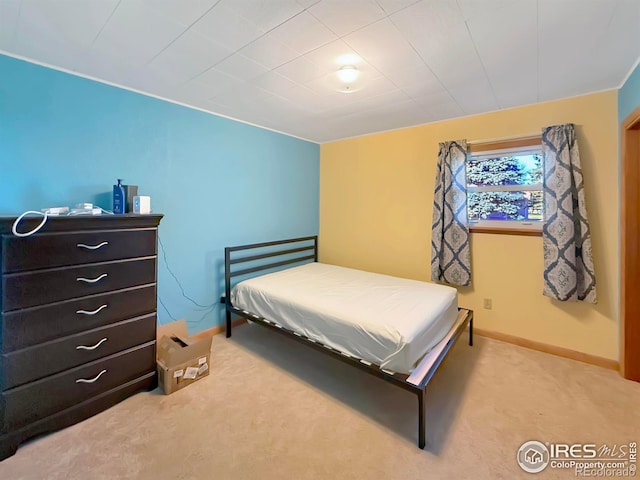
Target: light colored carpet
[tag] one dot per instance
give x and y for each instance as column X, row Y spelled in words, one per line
column 275, row 409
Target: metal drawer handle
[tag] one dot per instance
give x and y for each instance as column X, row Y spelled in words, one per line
column 92, row 247
column 91, row 280
column 83, row 347
column 87, row 312
column 84, row 380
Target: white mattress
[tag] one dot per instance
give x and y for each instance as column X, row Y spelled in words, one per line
column 392, row 322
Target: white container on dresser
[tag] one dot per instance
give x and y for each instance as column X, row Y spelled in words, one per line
column 77, row 320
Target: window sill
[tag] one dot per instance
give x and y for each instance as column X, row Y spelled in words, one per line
column 506, row 231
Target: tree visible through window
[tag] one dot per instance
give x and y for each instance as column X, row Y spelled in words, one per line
column 505, row 188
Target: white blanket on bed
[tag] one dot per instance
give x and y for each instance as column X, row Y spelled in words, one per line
column 392, row 322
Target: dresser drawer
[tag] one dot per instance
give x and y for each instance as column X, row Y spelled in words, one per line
column 33, row 401
column 33, row 363
column 22, row 290
column 62, row 249
column 31, row 326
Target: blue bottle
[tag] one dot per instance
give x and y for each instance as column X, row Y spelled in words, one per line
column 119, row 198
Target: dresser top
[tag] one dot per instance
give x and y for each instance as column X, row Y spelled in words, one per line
column 65, row 223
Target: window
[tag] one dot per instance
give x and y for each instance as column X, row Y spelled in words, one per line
column 504, row 188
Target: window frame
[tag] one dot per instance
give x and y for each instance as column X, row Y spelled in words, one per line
column 510, row 227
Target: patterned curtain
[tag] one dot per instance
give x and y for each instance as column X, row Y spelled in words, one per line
column 450, row 253
column 568, row 261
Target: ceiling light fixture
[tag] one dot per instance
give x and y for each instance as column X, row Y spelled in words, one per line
column 348, row 74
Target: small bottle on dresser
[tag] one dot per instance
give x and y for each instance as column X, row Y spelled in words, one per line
column 119, row 198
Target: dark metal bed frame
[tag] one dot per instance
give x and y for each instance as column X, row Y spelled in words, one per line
column 416, row 382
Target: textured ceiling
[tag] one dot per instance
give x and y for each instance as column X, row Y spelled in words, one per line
column 273, row 62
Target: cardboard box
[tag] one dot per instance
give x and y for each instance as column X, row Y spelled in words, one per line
column 181, row 359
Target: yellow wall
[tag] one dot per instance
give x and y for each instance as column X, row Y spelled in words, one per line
column 376, row 196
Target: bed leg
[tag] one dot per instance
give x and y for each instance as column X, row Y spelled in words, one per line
column 421, row 419
column 471, row 332
column 228, row 332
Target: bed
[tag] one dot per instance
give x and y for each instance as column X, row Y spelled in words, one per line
column 397, row 329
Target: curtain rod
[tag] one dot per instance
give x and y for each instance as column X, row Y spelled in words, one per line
column 525, row 136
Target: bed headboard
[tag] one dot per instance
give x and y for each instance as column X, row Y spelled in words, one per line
column 272, row 254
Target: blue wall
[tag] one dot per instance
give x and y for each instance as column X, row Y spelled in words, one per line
column 65, row 140
column 629, row 95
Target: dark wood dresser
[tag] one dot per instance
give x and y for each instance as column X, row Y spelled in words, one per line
column 77, row 320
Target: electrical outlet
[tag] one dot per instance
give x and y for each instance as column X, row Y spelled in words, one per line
column 488, row 303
